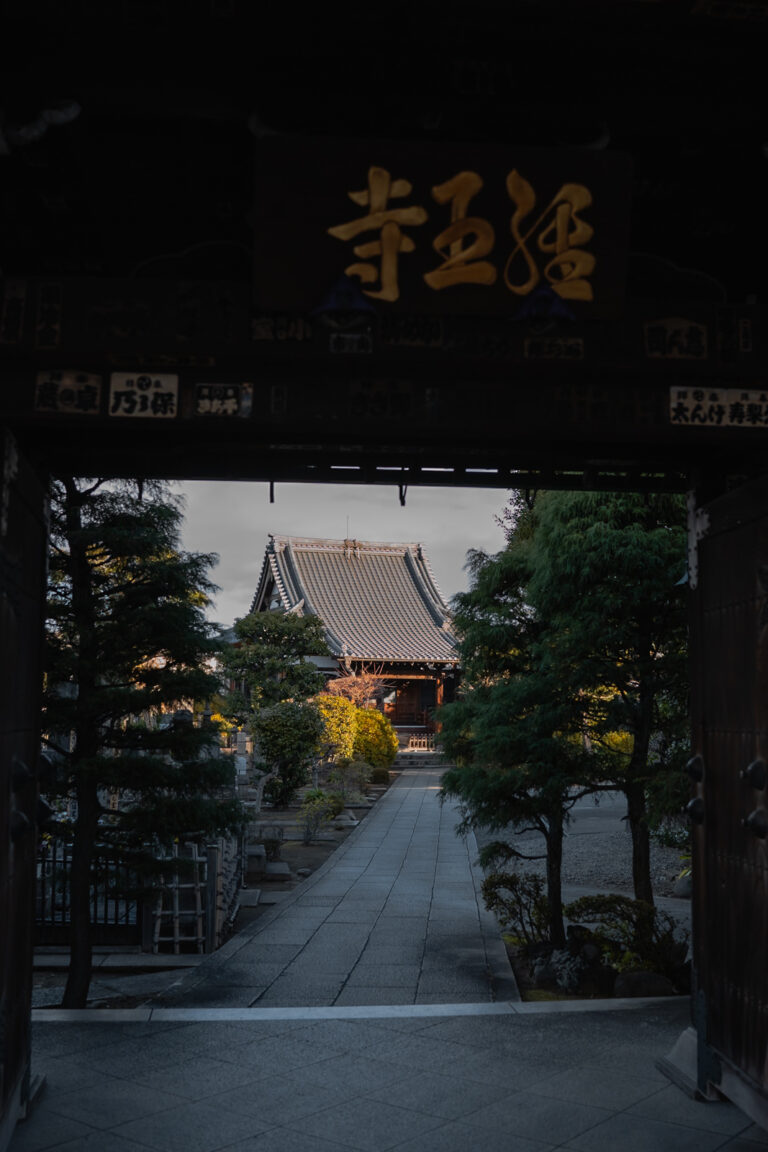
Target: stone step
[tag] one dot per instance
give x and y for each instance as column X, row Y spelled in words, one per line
column 249, row 897
column 418, row 760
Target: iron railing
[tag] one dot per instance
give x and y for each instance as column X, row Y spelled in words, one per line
column 115, row 908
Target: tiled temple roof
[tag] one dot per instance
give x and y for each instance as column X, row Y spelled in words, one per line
column 378, row 601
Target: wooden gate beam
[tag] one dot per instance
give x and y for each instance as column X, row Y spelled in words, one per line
column 23, row 542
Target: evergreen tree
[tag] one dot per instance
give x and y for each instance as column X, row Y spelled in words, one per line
column 606, row 578
column 572, row 642
column 268, row 661
column 515, row 765
column 128, row 652
column 289, row 736
column 272, row 681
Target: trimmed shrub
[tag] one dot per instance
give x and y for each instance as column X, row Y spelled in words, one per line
column 375, row 739
column 380, row 775
column 317, row 808
column 519, row 901
column 333, row 800
column 339, row 718
column 631, row 933
column 288, row 737
column 351, row 777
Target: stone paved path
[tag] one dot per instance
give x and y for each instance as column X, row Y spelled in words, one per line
column 424, row 1078
column 404, row 1049
column 395, row 916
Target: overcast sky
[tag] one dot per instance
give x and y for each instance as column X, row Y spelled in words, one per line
column 235, row 519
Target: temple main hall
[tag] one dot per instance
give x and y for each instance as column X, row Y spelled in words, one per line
column 383, row 613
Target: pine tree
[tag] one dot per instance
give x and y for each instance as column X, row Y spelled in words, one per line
column 268, row 661
column 515, row 764
column 272, row 681
column 128, row 652
column 573, row 649
column 289, row 739
column 607, row 578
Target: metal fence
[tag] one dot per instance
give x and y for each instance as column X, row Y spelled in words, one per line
column 193, row 908
column 115, row 909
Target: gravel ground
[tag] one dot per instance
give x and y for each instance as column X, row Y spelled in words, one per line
column 597, row 859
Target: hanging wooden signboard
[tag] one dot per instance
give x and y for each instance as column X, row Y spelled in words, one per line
column 441, row 228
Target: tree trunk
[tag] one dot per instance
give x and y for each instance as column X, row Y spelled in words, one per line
column 638, row 769
column 85, row 747
column 80, row 941
column 641, row 842
column 554, row 839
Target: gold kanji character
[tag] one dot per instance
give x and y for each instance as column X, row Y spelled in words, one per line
column 387, row 221
column 571, row 265
column 462, row 265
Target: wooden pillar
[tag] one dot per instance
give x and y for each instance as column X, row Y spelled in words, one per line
column 23, row 542
column 726, row 1049
column 439, row 696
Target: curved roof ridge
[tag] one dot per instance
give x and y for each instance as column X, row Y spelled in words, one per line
column 335, row 643
column 290, row 594
column 266, row 566
column 432, row 581
column 425, row 591
column 298, row 588
column 340, row 544
column 279, row 582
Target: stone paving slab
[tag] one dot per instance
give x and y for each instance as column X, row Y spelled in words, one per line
column 386, row 1021
column 396, row 911
column 501, row 1077
column 46, row 959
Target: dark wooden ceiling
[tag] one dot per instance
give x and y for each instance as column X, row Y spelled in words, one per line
column 130, row 146
column 163, row 155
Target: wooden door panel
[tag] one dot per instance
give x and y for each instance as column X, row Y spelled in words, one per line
column 22, row 598
column 730, row 715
